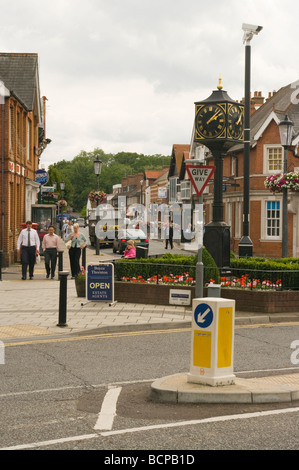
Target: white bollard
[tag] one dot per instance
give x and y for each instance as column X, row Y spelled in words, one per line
column 212, row 345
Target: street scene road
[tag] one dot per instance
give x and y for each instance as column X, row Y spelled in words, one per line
column 85, row 387
column 53, row 393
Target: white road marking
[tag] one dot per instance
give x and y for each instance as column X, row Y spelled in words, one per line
column 53, row 442
column 215, row 419
column 108, row 410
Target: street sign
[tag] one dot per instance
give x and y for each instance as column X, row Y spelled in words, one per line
column 100, row 279
column 199, row 176
column 203, row 315
column 41, row 177
column 179, row 297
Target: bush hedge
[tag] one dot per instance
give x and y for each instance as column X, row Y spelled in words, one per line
column 168, row 264
column 284, row 269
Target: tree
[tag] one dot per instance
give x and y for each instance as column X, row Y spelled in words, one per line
column 80, row 178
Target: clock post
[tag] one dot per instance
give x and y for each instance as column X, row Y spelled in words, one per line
column 218, row 126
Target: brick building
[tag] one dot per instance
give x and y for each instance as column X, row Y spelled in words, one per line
column 22, row 140
column 266, row 158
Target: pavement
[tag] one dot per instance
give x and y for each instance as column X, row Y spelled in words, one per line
column 30, row 309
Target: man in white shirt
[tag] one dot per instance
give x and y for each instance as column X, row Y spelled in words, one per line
column 50, row 247
column 29, row 242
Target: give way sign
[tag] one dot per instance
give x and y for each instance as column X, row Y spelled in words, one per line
column 199, row 176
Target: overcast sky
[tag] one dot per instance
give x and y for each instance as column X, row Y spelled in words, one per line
column 123, row 75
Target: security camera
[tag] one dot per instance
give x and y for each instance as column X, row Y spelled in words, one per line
column 251, row 28
column 249, row 31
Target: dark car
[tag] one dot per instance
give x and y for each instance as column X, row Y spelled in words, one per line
column 120, row 243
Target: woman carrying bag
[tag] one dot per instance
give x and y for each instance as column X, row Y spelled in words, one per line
column 78, row 242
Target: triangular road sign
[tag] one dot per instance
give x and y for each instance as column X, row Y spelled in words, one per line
column 199, row 176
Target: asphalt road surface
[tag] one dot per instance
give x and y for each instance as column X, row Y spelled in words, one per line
column 92, row 393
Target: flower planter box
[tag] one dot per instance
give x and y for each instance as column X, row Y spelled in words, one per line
column 80, row 288
column 254, row 301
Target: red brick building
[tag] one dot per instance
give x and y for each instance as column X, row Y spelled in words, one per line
column 22, row 140
column 266, row 158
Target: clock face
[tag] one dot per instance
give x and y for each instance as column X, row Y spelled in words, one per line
column 210, row 121
column 235, row 124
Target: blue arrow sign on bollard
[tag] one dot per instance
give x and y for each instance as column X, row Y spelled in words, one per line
column 203, row 315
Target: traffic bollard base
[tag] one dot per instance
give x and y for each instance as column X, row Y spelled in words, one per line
column 213, row 381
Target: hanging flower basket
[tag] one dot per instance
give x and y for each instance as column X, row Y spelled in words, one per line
column 276, row 183
column 62, row 203
column 97, row 196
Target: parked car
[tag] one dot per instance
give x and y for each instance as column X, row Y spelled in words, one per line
column 120, row 243
column 81, row 222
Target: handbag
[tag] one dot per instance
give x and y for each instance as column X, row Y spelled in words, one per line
column 68, row 244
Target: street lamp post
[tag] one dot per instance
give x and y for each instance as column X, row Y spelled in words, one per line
column 54, row 184
column 97, row 165
column 245, row 245
column 286, row 130
column 62, row 186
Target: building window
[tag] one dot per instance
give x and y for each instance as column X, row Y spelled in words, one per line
column 228, row 215
column 11, row 128
column 186, row 189
column 273, row 159
column 28, row 140
column 273, row 214
column 173, row 189
column 19, row 134
column 234, row 166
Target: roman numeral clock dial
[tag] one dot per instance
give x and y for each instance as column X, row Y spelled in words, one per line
column 210, row 121
column 235, row 124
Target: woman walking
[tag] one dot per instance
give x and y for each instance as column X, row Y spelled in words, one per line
column 78, row 243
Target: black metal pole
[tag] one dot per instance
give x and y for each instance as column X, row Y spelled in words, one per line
column 218, row 183
column 97, row 220
column 84, row 257
column 245, row 245
column 60, row 260
column 285, row 209
column 62, row 298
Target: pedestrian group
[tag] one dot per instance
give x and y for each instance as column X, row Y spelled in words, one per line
column 28, row 247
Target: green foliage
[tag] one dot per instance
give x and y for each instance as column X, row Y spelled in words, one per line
column 80, row 178
column 284, row 269
column 166, row 265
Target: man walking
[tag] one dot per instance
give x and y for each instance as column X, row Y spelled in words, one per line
column 29, row 241
column 50, row 247
column 169, row 238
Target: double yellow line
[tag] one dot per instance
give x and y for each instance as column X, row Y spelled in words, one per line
column 133, row 333
column 96, row 336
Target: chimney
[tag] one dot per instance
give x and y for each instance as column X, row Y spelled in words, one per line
column 256, row 101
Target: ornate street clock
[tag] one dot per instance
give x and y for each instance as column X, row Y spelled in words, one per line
column 219, row 121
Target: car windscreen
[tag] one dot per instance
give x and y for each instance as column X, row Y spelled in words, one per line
column 132, row 234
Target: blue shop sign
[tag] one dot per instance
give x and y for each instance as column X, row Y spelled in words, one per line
column 41, row 177
column 100, row 278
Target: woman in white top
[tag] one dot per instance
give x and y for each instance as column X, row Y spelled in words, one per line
column 67, row 230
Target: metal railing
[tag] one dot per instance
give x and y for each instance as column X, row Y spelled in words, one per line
column 287, row 279
column 282, row 279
